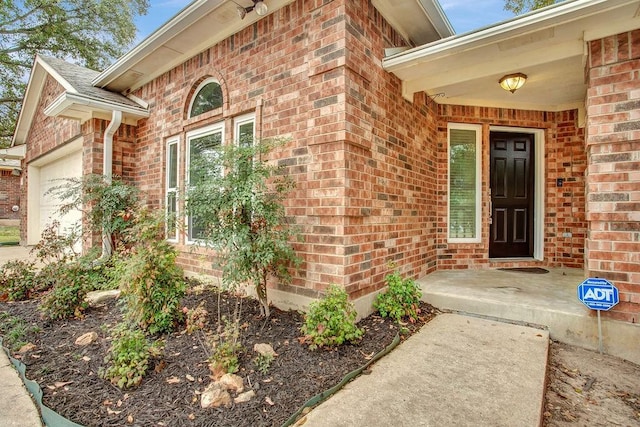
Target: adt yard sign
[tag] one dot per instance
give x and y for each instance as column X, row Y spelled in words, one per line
column 598, row 294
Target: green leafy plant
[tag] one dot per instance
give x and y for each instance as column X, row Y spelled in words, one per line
column 263, row 362
column 15, row 331
column 108, row 205
column 54, row 247
column 67, row 297
column 129, row 356
column 331, row 321
column 241, row 214
column 151, row 282
column 16, row 279
column 226, row 348
column 401, row 299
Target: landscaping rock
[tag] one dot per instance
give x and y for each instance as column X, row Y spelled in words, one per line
column 232, row 382
column 86, row 339
column 94, row 298
column 264, row 349
column 214, row 396
column 245, row 397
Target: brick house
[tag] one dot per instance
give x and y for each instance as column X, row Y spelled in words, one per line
column 10, row 180
column 404, row 147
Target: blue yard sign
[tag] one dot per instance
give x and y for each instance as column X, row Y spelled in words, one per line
column 598, row 294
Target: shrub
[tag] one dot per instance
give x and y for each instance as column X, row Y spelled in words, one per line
column 402, row 298
column 196, row 318
column 263, row 362
column 331, row 320
column 16, row 279
column 151, row 282
column 226, row 348
column 128, row 359
column 67, row 297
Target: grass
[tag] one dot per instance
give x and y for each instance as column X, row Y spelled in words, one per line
column 9, row 234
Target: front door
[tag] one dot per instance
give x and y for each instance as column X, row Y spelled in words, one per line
column 512, row 189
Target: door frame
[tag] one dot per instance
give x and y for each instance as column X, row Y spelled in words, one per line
column 539, row 202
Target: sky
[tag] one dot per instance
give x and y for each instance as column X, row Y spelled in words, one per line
column 464, row 15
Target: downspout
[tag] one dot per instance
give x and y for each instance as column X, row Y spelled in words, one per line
column 107, row 170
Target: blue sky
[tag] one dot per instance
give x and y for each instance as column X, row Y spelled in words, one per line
column 465, row 15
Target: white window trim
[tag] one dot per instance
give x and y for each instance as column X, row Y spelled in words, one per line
column 478, row 231
column 207, row 130
column 197, row 91
column 171, row 141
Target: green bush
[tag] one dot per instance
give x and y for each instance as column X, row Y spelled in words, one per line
column 331, row 321
column 67, row 297
column 151, row 282
column 16, row 279
column 402, row 298
column 226, row 348
column 128, row 359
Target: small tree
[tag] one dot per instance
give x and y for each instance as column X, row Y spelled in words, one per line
column 236, row 200
column 107, row 204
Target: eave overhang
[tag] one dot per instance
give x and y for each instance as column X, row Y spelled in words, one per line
column 204, row 23
column 548, row 45
column 76, row 106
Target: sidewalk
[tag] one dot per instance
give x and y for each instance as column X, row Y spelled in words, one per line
column 457, row 371
column 17, row 409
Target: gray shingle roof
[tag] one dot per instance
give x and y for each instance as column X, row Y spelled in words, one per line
column 80, row 78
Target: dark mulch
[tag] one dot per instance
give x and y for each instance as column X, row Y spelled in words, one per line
column 296, row 375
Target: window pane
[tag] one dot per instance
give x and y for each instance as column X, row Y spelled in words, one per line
column 171, row 215
column 172, row 167
column 462, row 184
column 245, row 134
column 200, row 150
column 207, row 99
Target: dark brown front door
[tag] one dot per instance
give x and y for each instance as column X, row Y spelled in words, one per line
column 512, row 185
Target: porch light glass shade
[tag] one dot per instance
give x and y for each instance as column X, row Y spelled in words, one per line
column 513, row 82
column 261, row 8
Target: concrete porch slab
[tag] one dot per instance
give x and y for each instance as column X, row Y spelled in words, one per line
column 548, row 300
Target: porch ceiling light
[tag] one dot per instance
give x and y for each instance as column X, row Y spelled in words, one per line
column 513, row 82
column 259, row 6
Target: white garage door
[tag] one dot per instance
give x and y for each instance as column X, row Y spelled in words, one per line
column 52, row 175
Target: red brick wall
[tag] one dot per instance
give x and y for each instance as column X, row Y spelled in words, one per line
column 613, row 173
column 9, row 194
column 363, row 157
column 564, row 156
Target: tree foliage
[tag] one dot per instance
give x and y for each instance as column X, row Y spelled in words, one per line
column 89, row 32
column 518, row 7
column 241, row 214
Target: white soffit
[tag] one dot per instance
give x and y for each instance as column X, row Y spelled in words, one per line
column 200, row 25
column 420, row 21
column 549, row 46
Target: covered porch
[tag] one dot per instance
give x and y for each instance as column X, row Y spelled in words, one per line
column 547, row 300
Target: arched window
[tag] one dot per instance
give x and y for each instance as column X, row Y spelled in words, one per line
column 208, row 96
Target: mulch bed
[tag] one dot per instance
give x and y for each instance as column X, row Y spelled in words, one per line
column 295, row 375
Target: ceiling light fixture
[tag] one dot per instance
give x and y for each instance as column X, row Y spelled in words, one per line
column 513, row 82
column 259, row 6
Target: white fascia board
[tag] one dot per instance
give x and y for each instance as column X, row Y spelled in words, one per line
column 64, row 101
column 175, row 25
column 550, row 16
column 63, row 82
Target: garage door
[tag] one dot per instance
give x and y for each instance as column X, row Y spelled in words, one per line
column 52, row 175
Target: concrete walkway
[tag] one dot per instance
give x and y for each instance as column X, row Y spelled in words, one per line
column 457, row 371
column 17, row 409
column 16, row 406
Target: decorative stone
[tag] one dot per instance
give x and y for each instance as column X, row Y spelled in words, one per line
column 94, row 298
column 245, row 397
column 86, row 339
column 232, row 382
column 264, row 350
column 214, row 396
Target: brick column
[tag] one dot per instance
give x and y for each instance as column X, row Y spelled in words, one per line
column 613, row 168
